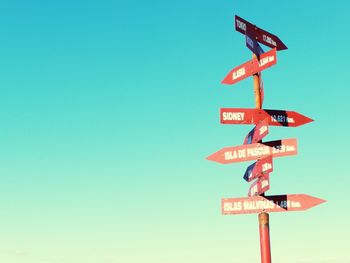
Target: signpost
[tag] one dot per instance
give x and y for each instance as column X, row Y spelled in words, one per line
column 258, row 173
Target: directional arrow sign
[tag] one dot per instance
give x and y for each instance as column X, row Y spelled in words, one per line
column 249, row 152
column 251, row 67
column 258, row 133
column 260, row 186
column 259, row 34
column 260, row 167
column 274, row 203
column 253, row 45
column 254, row 116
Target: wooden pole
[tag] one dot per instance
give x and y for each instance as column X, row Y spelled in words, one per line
column 264, row 224
column 264, row 230
column 256, row 79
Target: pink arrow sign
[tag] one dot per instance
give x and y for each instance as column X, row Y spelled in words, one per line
column 257, row 133
column 260, row 186
column 262, row 36
column 251, row 67
column 254, row 116
column 260, row 167
column 274, row 203
column 249, row 152
column 254, row 151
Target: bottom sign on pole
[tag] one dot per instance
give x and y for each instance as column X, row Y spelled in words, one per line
column 273, row 203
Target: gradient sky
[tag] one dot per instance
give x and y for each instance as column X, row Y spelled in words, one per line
column 109, row 108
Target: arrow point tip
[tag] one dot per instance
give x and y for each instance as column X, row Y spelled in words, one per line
column 310, row 120
column 322, row 201
column 209, row 158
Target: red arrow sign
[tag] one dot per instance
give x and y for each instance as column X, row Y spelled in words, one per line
column 260, row 167
column 274, row 203
column 257, row 133
column 260, row 186
column 254, row 116
column 249, row 152
column 259, row 34
column 251, row 67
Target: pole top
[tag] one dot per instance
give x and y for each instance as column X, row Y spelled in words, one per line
column 263, row 218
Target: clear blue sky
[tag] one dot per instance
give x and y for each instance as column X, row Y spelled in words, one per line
column 109, row 108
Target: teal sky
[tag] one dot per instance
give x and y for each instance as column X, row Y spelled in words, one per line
column 109, row 108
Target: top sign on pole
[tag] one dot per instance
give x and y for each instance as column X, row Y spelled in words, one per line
column 259, row 34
